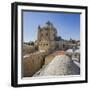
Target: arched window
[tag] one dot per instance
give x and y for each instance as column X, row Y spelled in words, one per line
column 46, row 34
column 41, row 34
column 46, row 44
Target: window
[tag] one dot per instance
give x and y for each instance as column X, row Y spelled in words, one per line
column 46, row 34
column 41, row 34
column 46, row 44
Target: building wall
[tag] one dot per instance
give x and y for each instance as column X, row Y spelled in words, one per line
column 32, row 64
column 44, row 45
column 46, row 37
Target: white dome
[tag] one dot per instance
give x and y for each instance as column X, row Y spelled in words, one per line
column 77, row 51
column 69, row 51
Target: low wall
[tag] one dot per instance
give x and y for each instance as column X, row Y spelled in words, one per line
column 32, row 64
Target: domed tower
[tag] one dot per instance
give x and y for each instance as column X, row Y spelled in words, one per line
column 46, row 37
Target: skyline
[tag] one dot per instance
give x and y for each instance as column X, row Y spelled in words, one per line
column 67, row 24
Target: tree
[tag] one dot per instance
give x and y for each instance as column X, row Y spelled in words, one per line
column 32, row 43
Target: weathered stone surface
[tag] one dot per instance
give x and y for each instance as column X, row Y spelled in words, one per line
column 32, row 64
column 48, row 59
column 60, row 65
column 51, row 56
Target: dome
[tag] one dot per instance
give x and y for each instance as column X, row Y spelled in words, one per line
column 77, row 51
column 60, row 65
column 69, row 51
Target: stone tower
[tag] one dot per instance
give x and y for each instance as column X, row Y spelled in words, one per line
column 46, row 37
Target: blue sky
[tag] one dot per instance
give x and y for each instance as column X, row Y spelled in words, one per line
column 67, row 24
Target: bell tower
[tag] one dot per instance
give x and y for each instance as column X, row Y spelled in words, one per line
column 46, row 37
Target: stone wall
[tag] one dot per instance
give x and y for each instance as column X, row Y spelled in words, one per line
column 62, row 45
column 33, row 63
